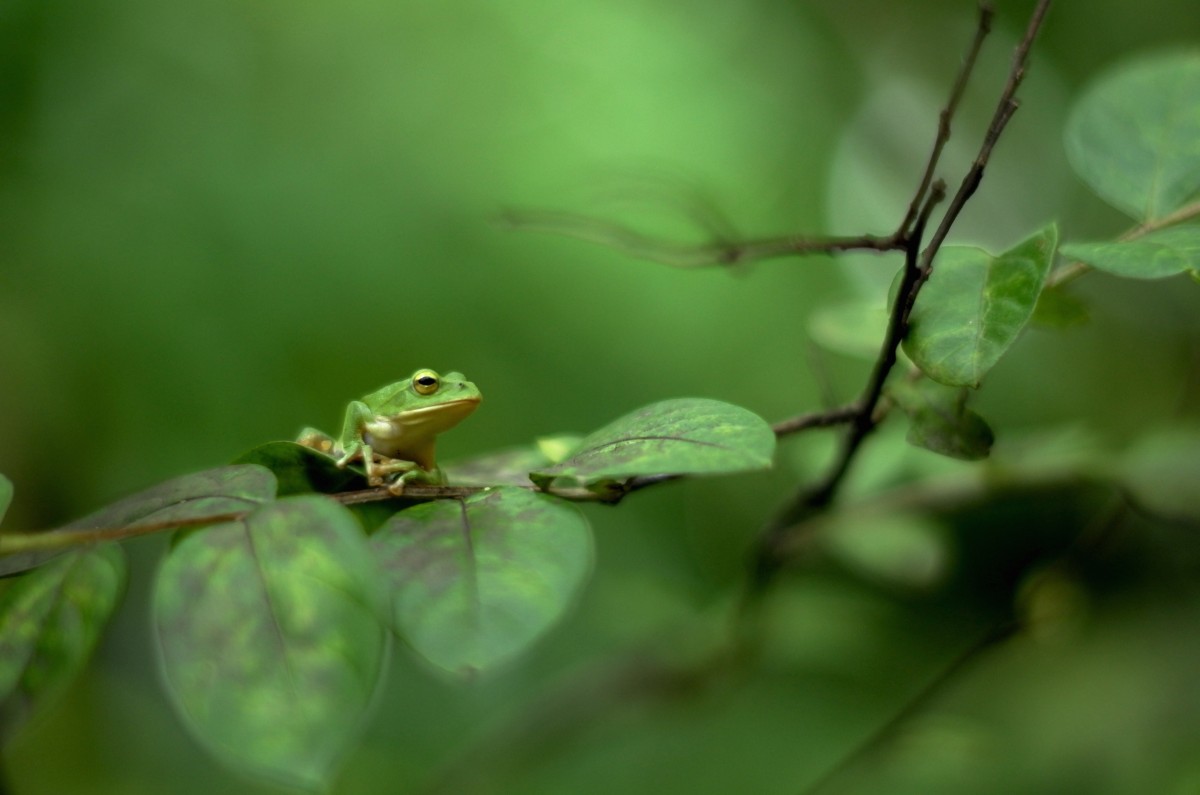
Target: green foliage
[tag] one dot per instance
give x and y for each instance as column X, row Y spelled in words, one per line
column 1059, row 308
column 50, row 620
column 906, row 550
column 1134, row 135
column 974, row 307
column 1162, row 473
column 1166, row 252
column 273, row 626
column 473, row 583
column 271, row 635
column 691, row 436
column 6, row 493
column 854, row 329
column 939, row 420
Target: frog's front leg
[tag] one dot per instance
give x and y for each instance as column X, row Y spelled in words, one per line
column 351, row 442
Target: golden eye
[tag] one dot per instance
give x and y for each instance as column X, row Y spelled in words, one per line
column 426, row 382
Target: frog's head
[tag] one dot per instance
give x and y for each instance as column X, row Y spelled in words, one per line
column 433, row 402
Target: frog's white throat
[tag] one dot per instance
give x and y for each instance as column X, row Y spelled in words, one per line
column 423, row 421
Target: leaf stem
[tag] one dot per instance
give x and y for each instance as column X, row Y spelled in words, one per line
column 1074, row 270
column 681, row 255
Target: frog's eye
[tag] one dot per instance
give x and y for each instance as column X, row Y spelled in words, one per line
column 426, row 382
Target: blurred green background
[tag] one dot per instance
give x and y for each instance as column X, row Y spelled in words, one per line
column 220, row 221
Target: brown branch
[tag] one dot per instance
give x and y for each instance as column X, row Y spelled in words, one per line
column 944, row 118
column 917, row 269
column 817, row 419
column 682, row 255
column 1005, row 108
column 51, row 540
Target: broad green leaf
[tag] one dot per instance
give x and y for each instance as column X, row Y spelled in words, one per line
column 1162, row 472
column 855, row 329
column 6, row 493
column 50, row 620
column 939, row 420
column 682, row 436
column 908, row 550
column 1059, row 308
column 213, row 492
column 271, row 638
column 301, row 470
column 1134, row 135
column 974, row 306
column 1166, row 252
column 476, row 582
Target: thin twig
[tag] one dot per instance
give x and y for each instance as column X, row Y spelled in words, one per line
column 1005, row 108
column 682, row 255
column 864, row 420
column 993, row 636
column 944, row 118
column 817, row 419
column 50, row 540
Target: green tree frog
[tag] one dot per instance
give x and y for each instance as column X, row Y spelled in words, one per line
column 399, row 425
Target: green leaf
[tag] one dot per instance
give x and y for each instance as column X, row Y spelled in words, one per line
column 50, row 620
column 210, row 493
column 476, row 582
column 6, row 494
column 271, row 638
column 974, row 306
column 1162, row 472
column 683, row 436
column 302, row 470
column 1134, row 135
column 939, row 420
column 855, row 329
column 1156, row 255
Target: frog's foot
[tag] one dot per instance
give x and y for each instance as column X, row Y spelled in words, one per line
column 379, row 472
column 319, row 441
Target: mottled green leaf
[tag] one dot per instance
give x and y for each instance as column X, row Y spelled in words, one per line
column 682, row 436
column 213, row 492
column 1156, row 255
column 974, row 306
column 902, row 549
column 1134, row 135
column 855, row 329
column 271, row 637
column 6, row 493
column 302, row 470
column 50, row 620
column 475, row 582
column 939, row 420
column 1162, row 472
